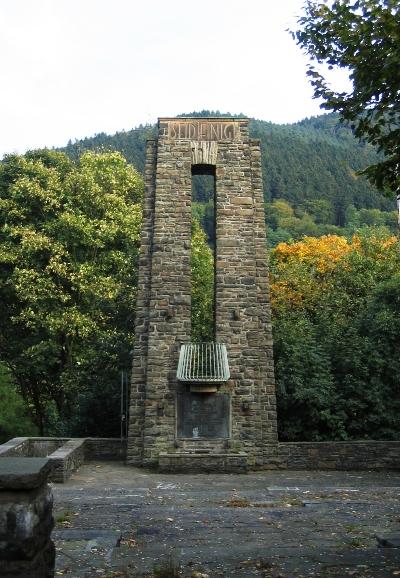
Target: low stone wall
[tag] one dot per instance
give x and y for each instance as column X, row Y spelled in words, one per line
column 107, row 449
column 68, row 454
column 26, row 519
column 71, row 455
column 66, row 459
column 31, row 447
column 44, row 447
column 352, row 455
column 14, row 448
column 65, row 454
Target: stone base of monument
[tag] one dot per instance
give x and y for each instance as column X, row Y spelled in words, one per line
column 202, row 462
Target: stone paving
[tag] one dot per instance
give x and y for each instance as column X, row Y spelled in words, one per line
column 113, row 520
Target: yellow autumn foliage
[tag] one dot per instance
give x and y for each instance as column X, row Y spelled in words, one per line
column 301, row 271
column 323, row 253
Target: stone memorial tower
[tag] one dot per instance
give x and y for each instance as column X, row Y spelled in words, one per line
column 198, row 407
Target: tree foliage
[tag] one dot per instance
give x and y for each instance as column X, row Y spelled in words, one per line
column 362, row 36
column 15, row 419
column 337, row 337
column 202, row 267
column 315, row 218
column 69, row 235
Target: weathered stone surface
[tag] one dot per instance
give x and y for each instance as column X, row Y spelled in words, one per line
column 15, row 447
column 65, row 455
column 392, row 541
column 357, row 455
column 41, row 566
column 163, row 320
column 203, row 463
column 23, row 473
column 229, row 525
column 26, row 520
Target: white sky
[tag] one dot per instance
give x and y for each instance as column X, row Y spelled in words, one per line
column 73, row 68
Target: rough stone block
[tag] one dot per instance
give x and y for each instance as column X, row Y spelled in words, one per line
column 26, row 518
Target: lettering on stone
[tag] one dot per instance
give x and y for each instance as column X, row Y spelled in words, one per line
column 199, row 131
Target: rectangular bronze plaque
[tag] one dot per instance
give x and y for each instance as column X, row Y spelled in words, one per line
column 202, row 415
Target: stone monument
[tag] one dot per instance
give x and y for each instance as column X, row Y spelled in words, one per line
column 223, row 416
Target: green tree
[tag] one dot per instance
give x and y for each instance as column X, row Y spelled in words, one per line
column 305, row 384
column 362, row 36
column 69, row 237
column 336, row 336
column 14, row 412
column 380, row 324
column 320, row 209
column 202, row 267
column 285, row 223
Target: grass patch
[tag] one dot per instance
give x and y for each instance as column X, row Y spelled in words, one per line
column 356, row 543
column 64, row 518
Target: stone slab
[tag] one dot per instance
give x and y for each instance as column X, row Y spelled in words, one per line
column 23, row 473
column 230, row 525
column 88, row 534
column 388, row 541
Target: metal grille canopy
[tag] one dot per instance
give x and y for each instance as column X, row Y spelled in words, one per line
column 203, row 362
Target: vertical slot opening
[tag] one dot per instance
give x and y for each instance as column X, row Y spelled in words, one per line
column 203, row 253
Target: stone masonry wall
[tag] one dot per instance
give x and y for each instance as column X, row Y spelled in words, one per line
column 164, row 292
column 264, row 370
column 242, row 308
column 163, row 306
column 170, row 294
column 139, row 367
column 351, row 455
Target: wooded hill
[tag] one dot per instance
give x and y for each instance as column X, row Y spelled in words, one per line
column 304, row 163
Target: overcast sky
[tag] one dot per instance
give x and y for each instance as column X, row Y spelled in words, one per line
column 74, row 68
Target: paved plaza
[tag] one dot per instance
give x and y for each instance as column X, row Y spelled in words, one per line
column 113, row 520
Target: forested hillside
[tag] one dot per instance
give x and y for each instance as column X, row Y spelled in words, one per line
column 310, row 171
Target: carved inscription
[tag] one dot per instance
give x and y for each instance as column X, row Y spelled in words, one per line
column 199, row 131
